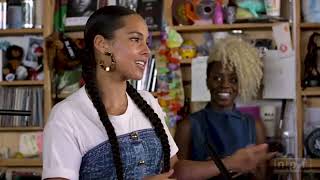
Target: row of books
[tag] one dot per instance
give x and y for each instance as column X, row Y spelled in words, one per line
column 21, row 107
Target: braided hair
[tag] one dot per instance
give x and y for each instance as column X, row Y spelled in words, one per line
column 104, row 22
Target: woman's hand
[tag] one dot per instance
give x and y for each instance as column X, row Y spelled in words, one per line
column 249, row 158
column 162, row 176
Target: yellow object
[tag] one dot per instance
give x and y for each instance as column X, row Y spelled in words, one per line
column 188, row 50
column 243, row 14
column 19, row 155
column 174, row 38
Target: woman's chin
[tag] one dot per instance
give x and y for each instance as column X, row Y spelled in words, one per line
column 137, row 77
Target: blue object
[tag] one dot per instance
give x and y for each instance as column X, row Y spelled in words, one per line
column 254, row 6
column 141, row 154
column 228, row 131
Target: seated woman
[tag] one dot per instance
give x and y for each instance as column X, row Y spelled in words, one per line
column 234, row 68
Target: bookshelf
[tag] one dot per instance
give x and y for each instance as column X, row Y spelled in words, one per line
column 310, row 96
column 301, row 32
column 9, row 136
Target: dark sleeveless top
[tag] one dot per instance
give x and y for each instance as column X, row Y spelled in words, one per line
column 228, row 131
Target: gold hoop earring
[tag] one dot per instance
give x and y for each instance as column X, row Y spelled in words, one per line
column 113, row 63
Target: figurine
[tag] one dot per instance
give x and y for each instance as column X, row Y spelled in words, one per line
column 14, row 55
column 188, row 49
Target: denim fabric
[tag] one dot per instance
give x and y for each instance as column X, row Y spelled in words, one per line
column 228, row 131
column 141, row 154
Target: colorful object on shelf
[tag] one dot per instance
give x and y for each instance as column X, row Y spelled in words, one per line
column 60, row 13
column 218, row 13
column 254, row 6
column 243, row 14
column 169, row 80
column 174, row 39
column 30, row 144
column 188, row 49
column 200, row 11
column 179, row 12
column 204, row 48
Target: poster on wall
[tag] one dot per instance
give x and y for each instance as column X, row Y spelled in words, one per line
column 78, row 11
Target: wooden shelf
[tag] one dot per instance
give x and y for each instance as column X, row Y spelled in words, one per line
column 79, row 34
column 20, row 162
column 75, row 35
column 214, row 27
column 20, row 32
column 311, row 91
column 312, row 163
column 310, row 25
column 20, row 129
column 21, row 83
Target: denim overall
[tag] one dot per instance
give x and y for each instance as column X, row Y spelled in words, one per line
column 228, row 131
column 141, row 154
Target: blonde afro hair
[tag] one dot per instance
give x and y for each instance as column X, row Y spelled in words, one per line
column 233, row 52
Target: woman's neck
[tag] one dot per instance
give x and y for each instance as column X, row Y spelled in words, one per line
column 218, row 108
column 113, row 95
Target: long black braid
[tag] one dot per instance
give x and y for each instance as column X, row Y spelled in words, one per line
column 104, row 22
column 89, row 76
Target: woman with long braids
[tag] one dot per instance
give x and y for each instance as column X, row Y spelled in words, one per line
column 108, row 130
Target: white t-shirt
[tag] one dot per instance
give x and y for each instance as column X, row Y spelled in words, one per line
column 74, row 127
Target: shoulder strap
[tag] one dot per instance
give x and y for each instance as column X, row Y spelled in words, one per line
column 211, row 135
column 212, row 150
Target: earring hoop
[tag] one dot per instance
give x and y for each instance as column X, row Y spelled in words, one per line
column 113, row 63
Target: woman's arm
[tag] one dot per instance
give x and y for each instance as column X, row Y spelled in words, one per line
column 260, row 132
column 261, row 138
column 243, row 160
column 183, row 139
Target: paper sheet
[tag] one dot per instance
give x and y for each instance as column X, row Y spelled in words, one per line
column 282, row 37
column 279, row 76
column 199, row 90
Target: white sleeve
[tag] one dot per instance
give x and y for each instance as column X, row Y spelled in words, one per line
column 61, row 154
column 162, row 115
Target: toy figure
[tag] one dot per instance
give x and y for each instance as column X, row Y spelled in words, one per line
column 188, row 50
column 14, row 56
column 58, row 58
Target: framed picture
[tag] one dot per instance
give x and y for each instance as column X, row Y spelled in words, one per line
column 78, row 11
